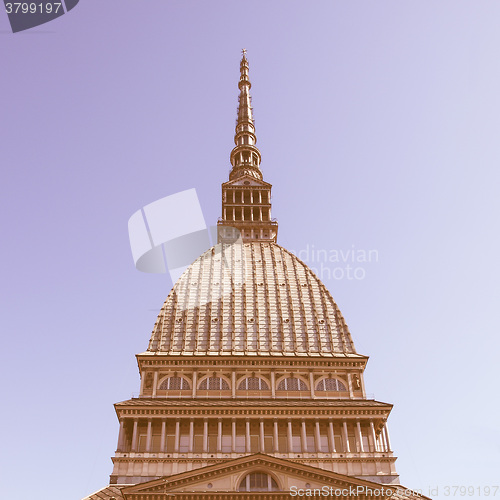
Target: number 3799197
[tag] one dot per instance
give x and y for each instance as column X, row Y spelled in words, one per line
column 33, row 8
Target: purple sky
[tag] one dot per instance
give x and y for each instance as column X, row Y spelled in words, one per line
column 379, row 127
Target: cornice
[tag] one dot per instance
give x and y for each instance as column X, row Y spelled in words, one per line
column 257, row 413
column 214, row 461
column 154, row 360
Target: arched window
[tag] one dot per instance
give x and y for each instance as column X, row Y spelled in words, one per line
column 253, row 384
column 258, row 481
column 292, row 384
column 330, row 384
column 175, row 384
column 213, row 384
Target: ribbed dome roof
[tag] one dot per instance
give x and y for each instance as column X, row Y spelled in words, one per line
column 250, row 299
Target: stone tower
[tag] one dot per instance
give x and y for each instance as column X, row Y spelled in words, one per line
column 251, row 386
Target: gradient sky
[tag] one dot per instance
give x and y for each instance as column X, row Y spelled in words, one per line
column 379, row 126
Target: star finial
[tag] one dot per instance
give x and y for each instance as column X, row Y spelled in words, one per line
column 244, row 52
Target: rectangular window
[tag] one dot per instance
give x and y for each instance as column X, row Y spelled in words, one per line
column 352, row 443
column 142, row 443
column 184, row 444
column 226, row 443
column 324, row 444
column 170, row 443
column 366, row 444
column 240, row 444
column 198, row 443
column 212, row 443
column 339, row 445
column 155, row 443
column 311, row 444
column 254, row 444
column 268, row 444
column 283, row 444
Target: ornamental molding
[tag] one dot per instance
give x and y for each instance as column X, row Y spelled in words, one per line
column 243, row 362
column 214, row 461
column 256, row 414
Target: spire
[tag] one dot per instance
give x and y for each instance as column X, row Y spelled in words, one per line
column 245, row 157
column 246, row 197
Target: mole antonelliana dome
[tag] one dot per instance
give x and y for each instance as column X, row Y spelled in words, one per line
column 253, row 298
column 251, row 386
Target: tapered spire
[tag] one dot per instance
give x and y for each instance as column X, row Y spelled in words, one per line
column 246, row 197
column 245, row 157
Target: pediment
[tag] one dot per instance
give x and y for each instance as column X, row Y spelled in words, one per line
column 224, row 479
column 247, row 180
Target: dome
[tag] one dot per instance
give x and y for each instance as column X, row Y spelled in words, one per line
column 250, row 299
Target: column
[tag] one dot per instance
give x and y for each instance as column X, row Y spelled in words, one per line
column 273, row 384
column 149, row 435
column 275, row 437
column 374, row 436
column 383, row 439
column 134, row 435
column 219, row 435
column 233, row 434
column 317, row 436
column 360, row 436
column 177, row 436
column 349, row 381
column 247, row 436
column 387, row 439
column 191, row 436
column 234, row 196
column 262, row 441
column 362, row 382
column 260, row 201
column 331, row 435
column 163, row 435
column 346, row 437
column 251, row 196
column 195, row 382
column 242, row 198
column 143, row 379
column 303, row 437
column 205, row 435
column 155, row 382
column 260, row 214
column 290, row 435
column 121, row 435
column 380, row 442
column 311, row 383
column 233, row 384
